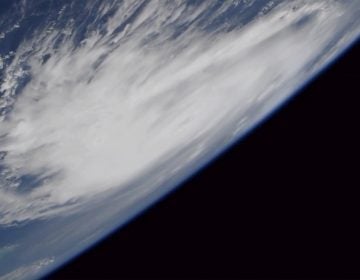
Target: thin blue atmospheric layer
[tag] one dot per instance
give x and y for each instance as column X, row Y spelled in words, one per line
column 202, row 164
column 107, row 106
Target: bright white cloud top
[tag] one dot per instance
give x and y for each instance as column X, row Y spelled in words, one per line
column 80, row 119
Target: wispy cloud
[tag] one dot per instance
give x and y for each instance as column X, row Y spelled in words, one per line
column 96, row 116
column 28, row 271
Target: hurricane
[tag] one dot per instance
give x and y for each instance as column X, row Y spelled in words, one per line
column 111, row 104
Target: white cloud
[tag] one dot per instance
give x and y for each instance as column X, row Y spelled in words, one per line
column 82, row 129
column 28, row 271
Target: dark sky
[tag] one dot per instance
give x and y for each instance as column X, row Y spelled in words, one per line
column 283, row 203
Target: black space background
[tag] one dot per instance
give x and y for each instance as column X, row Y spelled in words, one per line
column 283, row 203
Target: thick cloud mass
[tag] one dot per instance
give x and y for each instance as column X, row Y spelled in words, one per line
column 83, row 113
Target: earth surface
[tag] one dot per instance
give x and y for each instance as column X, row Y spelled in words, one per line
column 106, row 106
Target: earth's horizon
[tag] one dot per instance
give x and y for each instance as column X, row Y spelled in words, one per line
column 106, row 106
